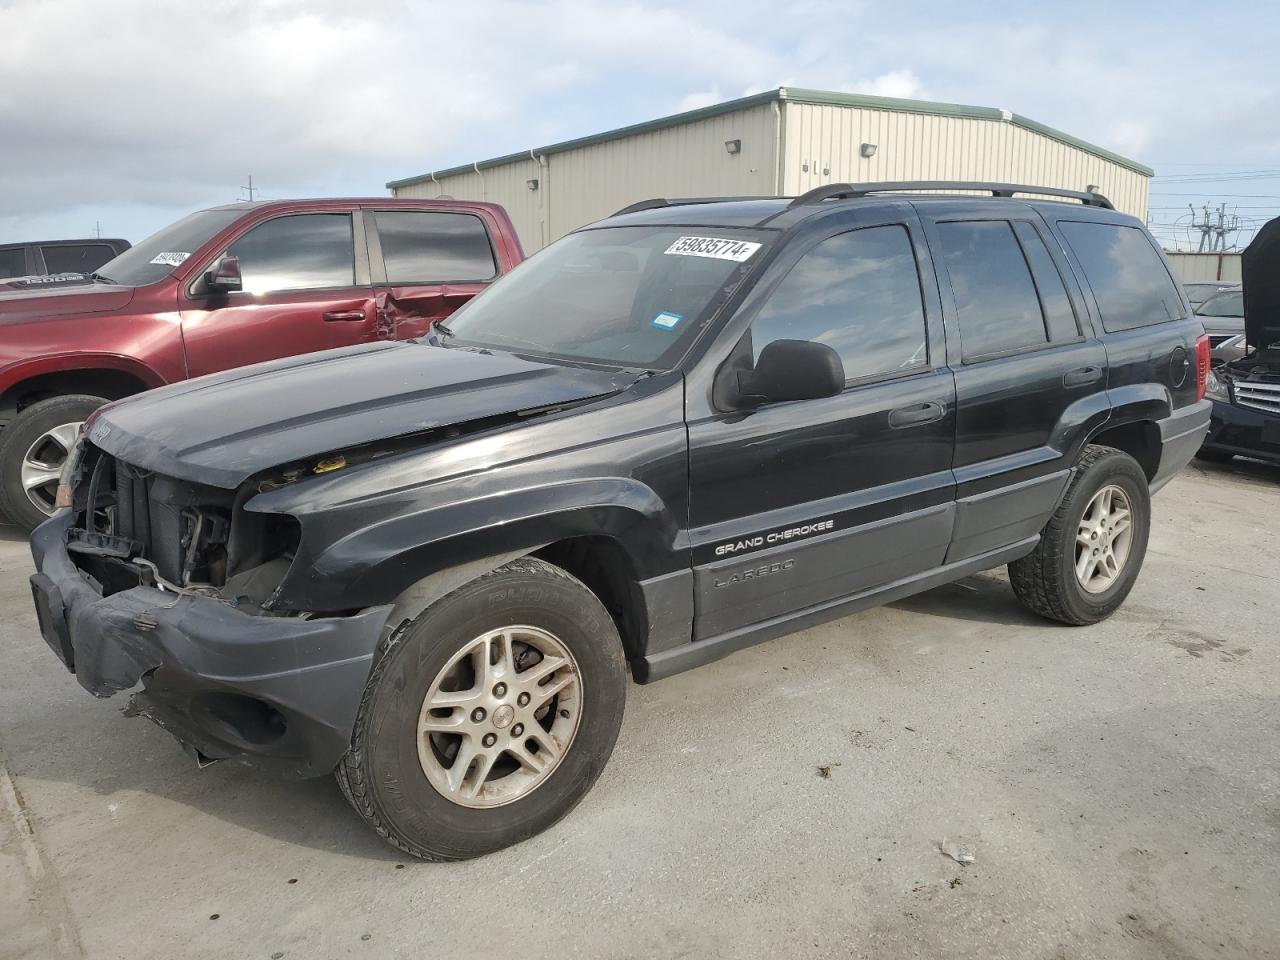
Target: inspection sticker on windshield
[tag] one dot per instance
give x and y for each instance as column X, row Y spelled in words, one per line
column 170, row 259
column 667, row 321
column 717, row 249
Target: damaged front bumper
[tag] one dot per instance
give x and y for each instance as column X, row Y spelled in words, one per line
column 278, row 692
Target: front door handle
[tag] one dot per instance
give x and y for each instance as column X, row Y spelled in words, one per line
column 1081, row 376
column 916, row 414
column 344, row 315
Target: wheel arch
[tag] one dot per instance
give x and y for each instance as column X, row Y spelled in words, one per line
column 1139, row 438
column 100, row 375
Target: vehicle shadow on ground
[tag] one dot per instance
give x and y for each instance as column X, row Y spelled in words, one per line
column 1268, row 473
column 982, row 598
column 11, row 534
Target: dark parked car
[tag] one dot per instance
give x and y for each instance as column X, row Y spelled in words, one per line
column 1198, row 291
column 1222, row 317
column 674, row 433
column 219, row 289
column 1246, row 390
column 45, row 257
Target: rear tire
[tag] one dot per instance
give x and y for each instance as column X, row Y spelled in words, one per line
column 1063, row 579
column 399, row 778
column 32, row 448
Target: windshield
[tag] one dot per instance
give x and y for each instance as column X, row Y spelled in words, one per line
column 625, row 296
column 1230, row 304
column 157, row 256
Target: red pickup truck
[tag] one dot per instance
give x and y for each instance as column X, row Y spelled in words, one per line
column 221, row 288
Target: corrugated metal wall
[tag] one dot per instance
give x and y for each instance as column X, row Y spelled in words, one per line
column 582, row 184
column 585, row 184
column 913, row 146
column 1189, row 267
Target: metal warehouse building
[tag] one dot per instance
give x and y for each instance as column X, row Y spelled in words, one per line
column 781, row 142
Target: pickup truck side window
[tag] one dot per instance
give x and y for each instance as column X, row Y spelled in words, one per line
column 996, row 301
column 426, row 247
column 76, row 257
column 303, row 252
column 859, row 293
column 13, row 262
column 1129, row 280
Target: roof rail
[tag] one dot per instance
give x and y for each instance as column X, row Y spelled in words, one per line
column 656, row 202
column 845, row 191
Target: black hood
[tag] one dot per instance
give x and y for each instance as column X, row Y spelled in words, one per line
column 1260, row 271
column 221, row 429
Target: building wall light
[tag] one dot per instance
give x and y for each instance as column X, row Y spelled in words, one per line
column 868, row 150
column 732, row 146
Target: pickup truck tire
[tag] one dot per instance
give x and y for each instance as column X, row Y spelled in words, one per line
column 38, row 440
column 526, row 765
column 1106, row 511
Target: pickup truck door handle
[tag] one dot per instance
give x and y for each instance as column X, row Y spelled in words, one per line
column 336, row 315
column 915, row 414
column 1081, row 376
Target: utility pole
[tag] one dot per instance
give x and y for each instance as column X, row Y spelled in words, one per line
column 249, row 188
column 97, row 229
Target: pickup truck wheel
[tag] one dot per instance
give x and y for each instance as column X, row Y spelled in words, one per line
column 489, row 716
column 33, row 448
column 1091, row 550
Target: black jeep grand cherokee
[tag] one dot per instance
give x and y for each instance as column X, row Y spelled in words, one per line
column 682, row 430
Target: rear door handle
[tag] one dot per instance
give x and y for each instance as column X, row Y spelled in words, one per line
column 1081, row 376
column 916, row 414
column 347, row 315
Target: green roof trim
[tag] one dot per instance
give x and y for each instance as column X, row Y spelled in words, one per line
column 791, row 95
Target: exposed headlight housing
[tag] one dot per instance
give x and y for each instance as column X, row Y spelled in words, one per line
column 1217, row 388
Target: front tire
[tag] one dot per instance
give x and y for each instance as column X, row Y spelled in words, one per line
column 488, row 717
column 1091, row 550
column 33, row 448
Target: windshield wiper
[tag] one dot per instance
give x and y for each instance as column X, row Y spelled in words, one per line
column 100, row 278
column 443, row 328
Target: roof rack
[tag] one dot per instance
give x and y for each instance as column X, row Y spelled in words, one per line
column 656, row 202
column 847, row 191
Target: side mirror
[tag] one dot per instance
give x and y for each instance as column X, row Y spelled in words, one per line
column 224, row 277
column 792, row 370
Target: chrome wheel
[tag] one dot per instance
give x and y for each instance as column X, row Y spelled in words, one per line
column 498, row 719
column 43, row 463
column 1103, row 539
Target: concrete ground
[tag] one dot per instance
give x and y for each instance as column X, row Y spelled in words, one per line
column 1118, row 786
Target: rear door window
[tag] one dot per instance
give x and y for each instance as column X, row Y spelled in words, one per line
column 13, row 262
column 303, row 252
column 859, row 293
column 1059, row 315
column 434, row 247
column 76, row 257
column 996, row 300
column 1128, row 278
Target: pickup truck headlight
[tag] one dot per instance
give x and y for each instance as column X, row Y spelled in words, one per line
column 1216, row 388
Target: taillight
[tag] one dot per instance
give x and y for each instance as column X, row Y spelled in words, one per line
column 1202, row 365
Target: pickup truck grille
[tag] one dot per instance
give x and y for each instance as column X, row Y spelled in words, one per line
column 1259, row 396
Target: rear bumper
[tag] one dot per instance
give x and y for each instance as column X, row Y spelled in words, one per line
column 1180, row 437
column 278, row 692
column 1248, row 433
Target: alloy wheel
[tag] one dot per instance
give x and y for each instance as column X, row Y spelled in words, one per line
column 1103, row 539
column 500, row 716
column 42, row 465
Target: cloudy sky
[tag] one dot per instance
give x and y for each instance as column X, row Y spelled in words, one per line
column 133, row 112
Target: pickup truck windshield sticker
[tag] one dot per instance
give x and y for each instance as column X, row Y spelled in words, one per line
column 717, row 249
column 774, row 537
column 172, row 259
column 667, row 321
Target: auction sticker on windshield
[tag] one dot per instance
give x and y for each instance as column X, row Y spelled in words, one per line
column 714, row 247
column 171, row 259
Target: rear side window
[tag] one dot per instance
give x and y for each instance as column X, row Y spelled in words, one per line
column 859, row 293
column 303, row 252
column 1129, row 280
column 996, row 301
column 425, row 247
column 1059, row 315
column 13, row 262
column 76, row 257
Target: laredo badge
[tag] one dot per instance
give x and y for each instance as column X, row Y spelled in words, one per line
column 713, row 247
